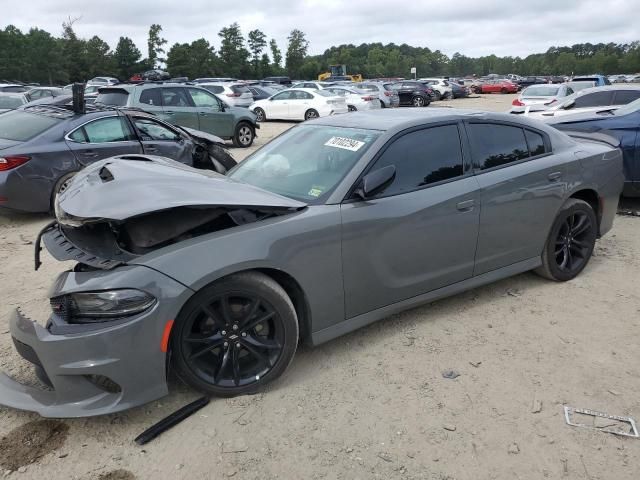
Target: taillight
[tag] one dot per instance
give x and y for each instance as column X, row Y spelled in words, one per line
column 388, row 94
column 233, row 94
column 13, row 161
column 367, row 99
column 517, row 103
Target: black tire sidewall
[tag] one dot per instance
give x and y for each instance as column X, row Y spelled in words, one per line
column 264, row 115
column 306, row 114
column 236, row 136
column 550, row 262
column 270, row 292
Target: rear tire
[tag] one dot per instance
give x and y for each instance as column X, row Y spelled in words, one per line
column 351, row 108
column 570, row 242
column 220, row 345
column 436, row 95
column 503, row 91
column 418, row 101
column 61, row 185
column 311, row 114
column 382, row 104
column 244, row 135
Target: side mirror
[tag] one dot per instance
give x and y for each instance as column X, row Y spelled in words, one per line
column 376, row 181
column 568, row 105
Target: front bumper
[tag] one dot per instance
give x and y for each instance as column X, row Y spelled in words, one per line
column 96, row 369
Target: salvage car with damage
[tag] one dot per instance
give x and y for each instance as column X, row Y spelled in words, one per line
column 333, row 225
column 42, row 147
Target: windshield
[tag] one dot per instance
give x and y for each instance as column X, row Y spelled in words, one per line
column 628, row 108
column 540, row 92
column 306, row 163
column 21, row 126
column 117, row 98
column 10, row 102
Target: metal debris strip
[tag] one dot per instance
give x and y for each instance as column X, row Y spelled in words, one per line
column 633, row 429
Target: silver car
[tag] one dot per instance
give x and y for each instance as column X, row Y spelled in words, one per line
column 592, row 99
column 336, row 224
column 540, row 96
column 356, row 99
column 233, row 94
column 387, row 96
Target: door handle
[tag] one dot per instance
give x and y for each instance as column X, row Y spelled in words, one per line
column 466, row 206
column 203, row 114
column 90, row 154
column 150, row 148
column 169, row 112
column 555, row 176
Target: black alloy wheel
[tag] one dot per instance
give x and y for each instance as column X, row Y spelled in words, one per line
column 351, row 108
column 571, row 242
column 235, row 335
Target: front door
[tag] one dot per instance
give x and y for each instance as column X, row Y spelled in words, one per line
column 278, row 106
column 102, row 138
column 159, row 139
column 212, row 116
column 522, row 188
column 178, row 109
column 420, row 233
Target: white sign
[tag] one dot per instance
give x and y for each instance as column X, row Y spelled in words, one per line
column 344, row 143
column 413, row 70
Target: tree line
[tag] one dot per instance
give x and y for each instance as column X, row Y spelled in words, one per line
column 38, row 56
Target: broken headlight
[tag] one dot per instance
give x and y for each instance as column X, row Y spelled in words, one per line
column 89, row 307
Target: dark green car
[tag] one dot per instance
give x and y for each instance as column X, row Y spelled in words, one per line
column 188, row 106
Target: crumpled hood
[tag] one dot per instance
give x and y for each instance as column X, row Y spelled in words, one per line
column 126, row 186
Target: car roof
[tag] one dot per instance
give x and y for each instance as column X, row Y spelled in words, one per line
column 12, row 94
column 401, row 118
column 605, row 88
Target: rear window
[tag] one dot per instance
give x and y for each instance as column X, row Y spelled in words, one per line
column 496, row 145
column 239, row 89
column 213, row 88
column 112, row 97
column 540, row 92
column 622, row 97
column 10, row 102
column 21, row 126
column 388, row 86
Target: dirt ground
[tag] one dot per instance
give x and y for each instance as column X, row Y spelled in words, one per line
column 374, row 404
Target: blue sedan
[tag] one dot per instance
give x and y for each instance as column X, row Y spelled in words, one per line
column 624, row 125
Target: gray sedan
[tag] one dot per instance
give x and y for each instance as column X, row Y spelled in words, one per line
column 43, row 146
column 335, row 224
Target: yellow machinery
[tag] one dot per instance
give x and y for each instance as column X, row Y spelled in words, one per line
column 339, row 72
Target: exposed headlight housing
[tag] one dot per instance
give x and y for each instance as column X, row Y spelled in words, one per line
column 91, row 307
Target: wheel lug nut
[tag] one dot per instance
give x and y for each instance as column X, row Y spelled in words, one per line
column 226, row 344
column 244, row 334
column 223, row 332
column 237, row 345
column 235, row 327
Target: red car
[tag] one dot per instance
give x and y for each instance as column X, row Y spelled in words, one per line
column 499, row 86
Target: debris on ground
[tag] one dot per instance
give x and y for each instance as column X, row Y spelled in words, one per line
column 451, row 374
column 475, row 364
column 536, row 405
column 514, row 449
column 171, row 421
column 385, row 456
column 603, row 422
column 450, row 428
column 237, row 445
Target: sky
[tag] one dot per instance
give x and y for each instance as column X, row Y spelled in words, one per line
column 471, row 27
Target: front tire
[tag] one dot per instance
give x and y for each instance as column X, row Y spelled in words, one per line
column 382, row 104
column 61, row 185
column 235, row 335
column 261, row 116
column 244, row 135
column 351, row 108
column 570, row 242
column 418, row 101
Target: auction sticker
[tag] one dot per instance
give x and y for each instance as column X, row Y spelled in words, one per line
column 344, row 143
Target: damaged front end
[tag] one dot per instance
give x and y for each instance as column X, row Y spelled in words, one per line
column 104, row 347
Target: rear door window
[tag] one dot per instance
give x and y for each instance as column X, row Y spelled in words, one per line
column 214, row 88
column 535, row 142
column 596, row 99
column 239, row 89
column 423, row 157
column 622, row 97
column 103, row 130
column 496, row 145
column 175, row 97
column 21, row 126
column 151, row 96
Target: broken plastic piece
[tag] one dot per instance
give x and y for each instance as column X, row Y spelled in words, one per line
column 171, row 421
column 617, row 421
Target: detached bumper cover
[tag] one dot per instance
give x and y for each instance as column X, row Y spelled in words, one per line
column 95, row 369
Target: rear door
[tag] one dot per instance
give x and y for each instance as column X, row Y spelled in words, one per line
column 212, row 116
column 102, row 138
column 420, row 233
column 523, row 185
column 159, row 139
column 299, row 103
column 178, row 108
